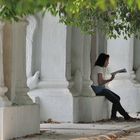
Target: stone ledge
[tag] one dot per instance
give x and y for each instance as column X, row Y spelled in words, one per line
column 55, row 104
column 17, row 121
column 90, row 109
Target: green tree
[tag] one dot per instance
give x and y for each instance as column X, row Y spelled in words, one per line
column 113, row 17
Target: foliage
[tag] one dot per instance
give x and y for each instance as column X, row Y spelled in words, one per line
column 113, row 17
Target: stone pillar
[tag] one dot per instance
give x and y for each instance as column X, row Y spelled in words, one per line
column 19, row 57
column 53, row 63
column 55, row 98
column 22, row 118
column 3, row 89
column 87, row 106
column 98, row 45
column 137, row 58
column 32, row 78
column 81, row 66
column 87, row 91
column 29, row 44
column 68, row 54
column 121, row 56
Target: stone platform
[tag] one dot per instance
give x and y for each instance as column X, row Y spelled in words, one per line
column 17, row 121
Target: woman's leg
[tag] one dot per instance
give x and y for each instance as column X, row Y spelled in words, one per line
column 110, row 98
column 114, row 111
column 114, row 108
column 115, row 99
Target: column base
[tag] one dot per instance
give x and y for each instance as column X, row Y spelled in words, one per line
column 91, row 109
column 22, row 98
column 18, row 121
column 55, row 104
column 59, row 105
column 4, row 101
column 85, row 90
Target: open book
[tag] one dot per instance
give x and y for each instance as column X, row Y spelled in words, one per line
column 119, row 71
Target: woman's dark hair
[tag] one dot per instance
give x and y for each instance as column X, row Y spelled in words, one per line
column 101, row 59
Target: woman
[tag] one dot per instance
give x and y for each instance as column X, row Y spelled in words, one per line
column 99, row 81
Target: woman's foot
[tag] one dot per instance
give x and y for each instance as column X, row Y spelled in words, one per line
column 114, row 118
column 118, row 119
column 129, row 118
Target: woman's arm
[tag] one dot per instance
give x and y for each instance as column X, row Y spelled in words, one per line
column 102, row 81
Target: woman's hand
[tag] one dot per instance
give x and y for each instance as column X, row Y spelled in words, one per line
column 112, row 77
column 103, row 81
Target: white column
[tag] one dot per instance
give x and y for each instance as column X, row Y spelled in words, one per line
column 3, row 89
column 137, row 59
column 87, row 91
column 68, row 54
column 29, row 44
column 55, row 98
column 22, row 118
column 121, row 56
column 32, row 78
column 81, row 65
column 19, row 57
column 53, row 55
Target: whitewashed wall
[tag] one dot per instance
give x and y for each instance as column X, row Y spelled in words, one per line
column 137, row 59
column 121, row 56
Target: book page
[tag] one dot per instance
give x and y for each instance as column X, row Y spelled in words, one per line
column 119, row 71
